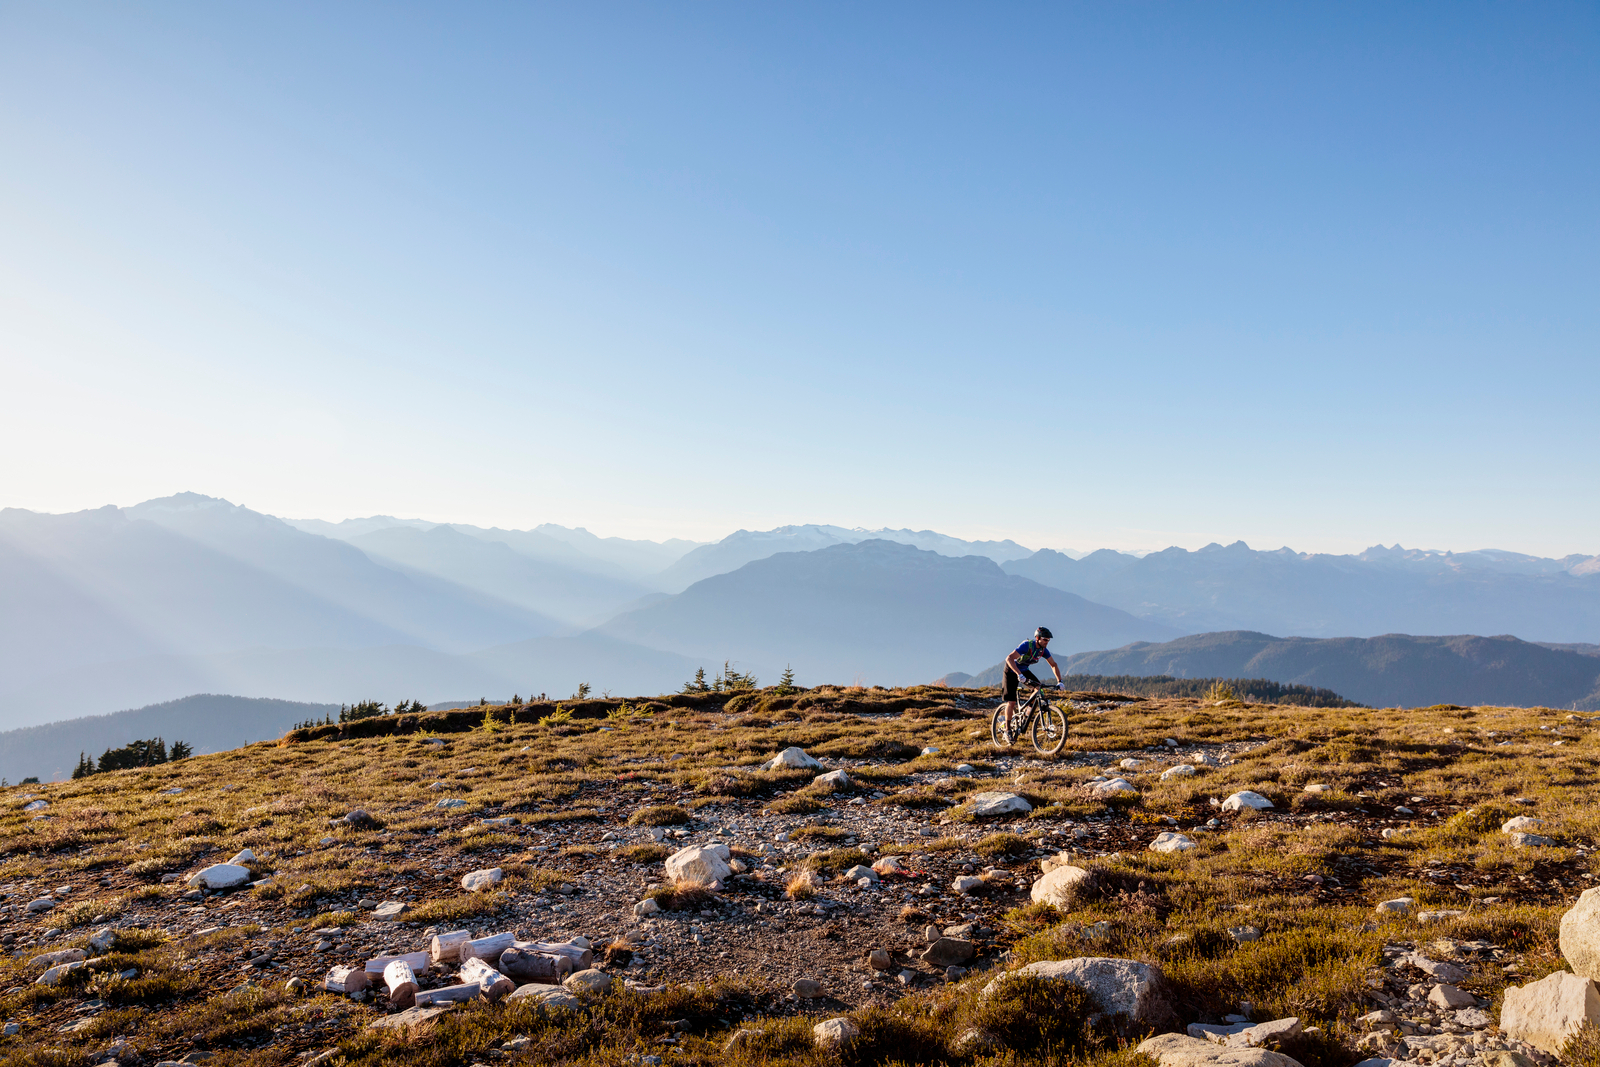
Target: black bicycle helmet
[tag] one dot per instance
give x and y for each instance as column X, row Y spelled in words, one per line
column 1043, row 633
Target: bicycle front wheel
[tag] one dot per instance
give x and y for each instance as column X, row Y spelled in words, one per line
column 1049, row 730
column 999, row 731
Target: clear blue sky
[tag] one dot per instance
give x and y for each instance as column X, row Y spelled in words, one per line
column 1126, row 275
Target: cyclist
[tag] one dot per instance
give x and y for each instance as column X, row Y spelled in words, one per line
column 1021, row 658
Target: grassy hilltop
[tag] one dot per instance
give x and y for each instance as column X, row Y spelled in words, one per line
column 579, row 794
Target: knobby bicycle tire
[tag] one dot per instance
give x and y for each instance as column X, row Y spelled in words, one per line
column 1049, row 730
column 996, row 734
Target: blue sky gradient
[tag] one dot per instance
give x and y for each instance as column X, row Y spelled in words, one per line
column 1122, row 275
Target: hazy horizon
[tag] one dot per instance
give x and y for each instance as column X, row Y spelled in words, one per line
column 1074, row 550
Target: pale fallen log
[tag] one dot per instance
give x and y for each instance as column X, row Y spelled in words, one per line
column 402, row 983
column 494, row 984
column 487, row 948
column 582, row 958
column 417, row 961
column 346, row 980
column 447, row 947
column 450, row 994
column 525, row 965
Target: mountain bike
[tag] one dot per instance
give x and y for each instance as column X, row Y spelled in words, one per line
column 1046, row 722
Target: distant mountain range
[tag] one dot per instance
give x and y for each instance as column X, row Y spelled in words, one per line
column 1382, row 590
column 207, row 722
column 877, row 611
column 119, row 607
column 746, row 546
column 1394, row 670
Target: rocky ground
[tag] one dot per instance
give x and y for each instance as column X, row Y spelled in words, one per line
column 580, row 815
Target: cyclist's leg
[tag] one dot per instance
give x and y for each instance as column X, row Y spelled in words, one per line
column 1010, row 699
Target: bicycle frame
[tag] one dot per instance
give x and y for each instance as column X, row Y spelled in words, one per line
column 1030, row 715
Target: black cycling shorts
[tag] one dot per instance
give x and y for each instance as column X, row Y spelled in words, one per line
column 1012, row 680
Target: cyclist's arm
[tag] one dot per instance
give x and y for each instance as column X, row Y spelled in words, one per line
column 1011, row 661
column 1055, row 667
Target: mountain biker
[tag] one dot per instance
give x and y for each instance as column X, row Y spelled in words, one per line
column 1021, row 658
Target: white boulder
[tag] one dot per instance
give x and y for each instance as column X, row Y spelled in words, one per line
column 1113, row 787
column 242, row 857
column 478, row 881
column 588, row 981
column 986, row 805
column 50, row 959
column 1179, row 1050
column 1131, row 764
column 1548, row 1012
column 834, row 1033
column 55, row 975
column 1397, row 906
column 1121, row 987
column 1171, row 842
column 1182, row 770
column 1061, row 886
column 1580, row 935
column 699, row 863
column 967, row 884
column 221, row 876
column 793, row 758
column 1445, row 995
column 1246, row 799
column 833, row 781
column 1520, row 822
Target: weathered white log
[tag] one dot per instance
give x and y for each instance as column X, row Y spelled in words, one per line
column 494, row 984
column 487, row 948
column 582, row 958
column 450, row 994
column 447, row 947
column 402, row 983
column 346, row 980
column 525, row 965
column 417, row 961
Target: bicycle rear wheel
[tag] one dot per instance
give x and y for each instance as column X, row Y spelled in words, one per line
column 1049, row 730
column 998, row 733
